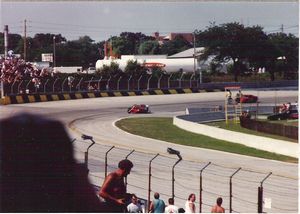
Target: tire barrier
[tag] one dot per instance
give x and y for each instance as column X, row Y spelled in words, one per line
column 31, row 98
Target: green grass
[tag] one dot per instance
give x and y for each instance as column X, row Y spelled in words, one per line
column 163, row 129
column 237, row 128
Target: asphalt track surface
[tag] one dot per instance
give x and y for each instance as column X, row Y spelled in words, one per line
column 96, row 117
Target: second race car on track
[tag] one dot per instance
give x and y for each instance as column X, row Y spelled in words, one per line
column 142, row 108
column 247, row 98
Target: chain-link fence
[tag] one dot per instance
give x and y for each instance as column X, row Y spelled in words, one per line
column 242, row 190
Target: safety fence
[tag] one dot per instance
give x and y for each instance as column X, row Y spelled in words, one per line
column 242, row 190
column 123, row 83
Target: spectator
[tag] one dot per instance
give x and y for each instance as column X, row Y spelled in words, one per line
column 38, row 170
column 218, row 208
column 190, row 204
column 113, row 190
column 134, row 206
column 171, row 208
column 157, row 205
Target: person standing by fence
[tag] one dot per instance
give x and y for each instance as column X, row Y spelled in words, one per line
column 113, row 190
column 190, row 204
column 218, row 207
column 157, row 205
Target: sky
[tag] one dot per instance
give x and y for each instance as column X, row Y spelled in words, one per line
column 102, row 19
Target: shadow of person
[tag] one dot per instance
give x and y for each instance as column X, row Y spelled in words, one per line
column 38, row 170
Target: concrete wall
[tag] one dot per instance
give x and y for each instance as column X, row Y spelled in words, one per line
column 263, row 143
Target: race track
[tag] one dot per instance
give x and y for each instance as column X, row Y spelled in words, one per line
column 95, row 117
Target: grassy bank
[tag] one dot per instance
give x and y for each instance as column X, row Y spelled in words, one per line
column 163, row 129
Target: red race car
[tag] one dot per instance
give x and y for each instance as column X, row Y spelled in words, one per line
column 142, row 108
column 247, row 98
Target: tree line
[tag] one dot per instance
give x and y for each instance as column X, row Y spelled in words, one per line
column 246, row 48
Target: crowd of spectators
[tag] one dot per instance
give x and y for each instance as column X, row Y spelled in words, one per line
column 14, row 69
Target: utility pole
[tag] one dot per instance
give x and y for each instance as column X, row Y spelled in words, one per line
column 54, row 53
column 194, row 37
column 25, row 40
column 281, row 28
column 5, row 54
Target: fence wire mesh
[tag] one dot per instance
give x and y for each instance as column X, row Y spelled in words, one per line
column 283, row 191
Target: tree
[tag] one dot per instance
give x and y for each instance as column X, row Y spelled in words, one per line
column 233, row 42
column 149, row 47
column 135, row 69
column 286, row 49
column 175, row 46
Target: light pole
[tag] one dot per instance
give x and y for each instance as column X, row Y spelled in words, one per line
column 54, row 54
column 86, row 154
column 174, row 152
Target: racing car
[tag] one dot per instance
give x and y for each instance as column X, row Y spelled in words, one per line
column 284, row 113
column 142, row 108
column 247, row 98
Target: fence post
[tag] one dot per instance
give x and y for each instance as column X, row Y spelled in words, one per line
column 260, row 195
column 27, row 86
column 158, row 84
column 139, row 82
column 149, row 181
column 260, row 200
column 107, row 84
column 200, row 194
column 99, row 82
column 148, row 82
column 78, row 85
column 62, row 85
column 45, row 86
column 126, row 176
column 169, row 80
column 89, row 84
column 86, row 154
column 105, row 173
column 19, row 86
column 54, row 84
column 180, row 80
column 230, row 190
column 174, row 152
column 118, row 86
column 12, row 87
column 191, row 80
column 128, row 86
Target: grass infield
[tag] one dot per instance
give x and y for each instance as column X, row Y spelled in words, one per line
column 163, row 129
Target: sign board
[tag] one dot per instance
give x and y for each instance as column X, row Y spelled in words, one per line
column 47, row 57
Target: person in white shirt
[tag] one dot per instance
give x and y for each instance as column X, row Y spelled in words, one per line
column 190, row 204
column 171, row 208
column 134, row 206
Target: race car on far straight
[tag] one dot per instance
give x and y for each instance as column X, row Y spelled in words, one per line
column 142, row 108
column 247, row 98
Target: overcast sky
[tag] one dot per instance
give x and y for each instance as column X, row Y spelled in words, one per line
column 103, row 19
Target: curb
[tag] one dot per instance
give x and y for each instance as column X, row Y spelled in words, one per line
column 31, row 98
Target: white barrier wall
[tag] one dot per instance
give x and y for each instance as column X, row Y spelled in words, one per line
column 263, row 143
